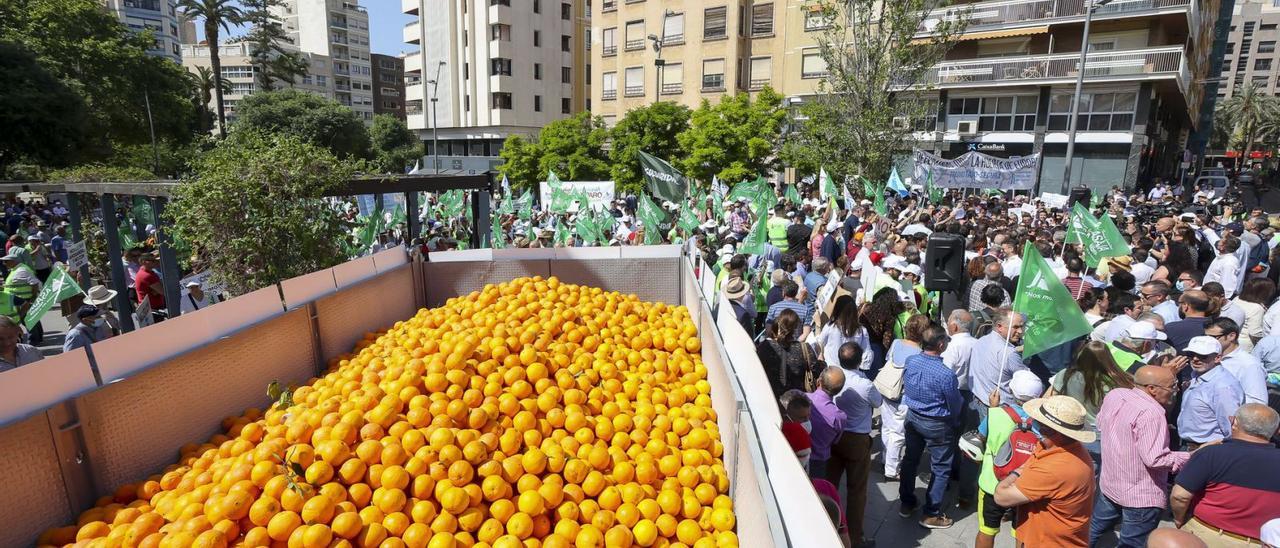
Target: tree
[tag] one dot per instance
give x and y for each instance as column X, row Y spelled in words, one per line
column 255, row 212
column 394, row 147
column 271, row 61
column 651, row 128
column 1249, row 112
column 734, row 139
column 876, row 70
column 520, row 161
column 217, row 14
column 203, row 81
column 42, row 118
column 310, row 117
column 574, row 148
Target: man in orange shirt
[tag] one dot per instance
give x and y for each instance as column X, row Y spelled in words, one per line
column 1054, row 490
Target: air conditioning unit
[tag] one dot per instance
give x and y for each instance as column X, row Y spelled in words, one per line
column 968, row 127
column 901, row 122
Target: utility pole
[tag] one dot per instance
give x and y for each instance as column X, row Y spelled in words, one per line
column 435, row 126
column 1075, row 100
column 658, row 63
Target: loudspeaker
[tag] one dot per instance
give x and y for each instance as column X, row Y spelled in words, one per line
column 944, row 262
column 1080, row 194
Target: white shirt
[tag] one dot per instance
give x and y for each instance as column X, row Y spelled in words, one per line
column 199, row 304
column 1156, row 193
column 1223, row 270
column 1248, row 370
column 858, row 400
column 1167, row 310
column 1117, row 327
column 1141, row 273
column 957, row 354
column 1012, row 266
column 1235, row 313
column 830, row 339
column 1271, row 320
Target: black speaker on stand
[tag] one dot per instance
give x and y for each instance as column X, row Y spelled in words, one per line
column 944, row 264
column 1080, row 194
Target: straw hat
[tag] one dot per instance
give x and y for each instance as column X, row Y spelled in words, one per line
column 99, row 295
column 735, row 289
column 1062, row 413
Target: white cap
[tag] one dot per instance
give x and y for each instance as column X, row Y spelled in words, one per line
column 906, row 297
column 833, row 225
column 726, row 250
column 855, row 266
column 912, row 269
column 895, row 263
column 1270, row 534
column 1203, row 346
column 1145, row 331
column 709, row 225
column 624, row 219
column 1025, row 385
column 193, row 283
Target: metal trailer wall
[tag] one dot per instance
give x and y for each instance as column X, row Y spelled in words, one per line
column 67, row 440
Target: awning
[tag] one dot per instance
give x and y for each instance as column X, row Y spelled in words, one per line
column 987, row 35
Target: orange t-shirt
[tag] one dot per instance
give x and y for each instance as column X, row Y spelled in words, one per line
column 1059, row 482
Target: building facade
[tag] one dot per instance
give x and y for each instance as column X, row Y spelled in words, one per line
column 238, row 70
column 495, row 68
column 158, row 16
column 339, row 31
column 1250, row 56
column 388, row 85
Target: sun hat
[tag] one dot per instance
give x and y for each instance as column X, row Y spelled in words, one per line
column 778, row 276
column 726, row 249
column 895, row 263
column 912, row 269
column 1203, row 346
column 1025, row 385
column 1123, row 262
column 1064, row 414
column 735, row 288
column 12, row 255
column 99, row 295
column 1144, row 331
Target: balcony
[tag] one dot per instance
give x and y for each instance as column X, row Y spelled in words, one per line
column 341, row 71
column 337, row 39
column 342, row 87
column 609, row 51
column 409, row 7
column 672, row 89
column 414, row 92
column 1132, row 65
column 413, row 63
column 1007, row 14
column 338, row 24
column 354, row 8
column 633, row 91
column 412, row 32
column 608, row 95
column 633, row 45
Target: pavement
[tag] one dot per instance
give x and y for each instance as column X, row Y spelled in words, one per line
column 55, row 328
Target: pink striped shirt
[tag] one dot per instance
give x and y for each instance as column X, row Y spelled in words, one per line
column 1136, row 460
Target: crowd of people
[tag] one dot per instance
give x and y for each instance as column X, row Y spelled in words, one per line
column 1164, row 412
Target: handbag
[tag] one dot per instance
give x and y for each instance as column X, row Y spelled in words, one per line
column 810, row 383
column 889, row 381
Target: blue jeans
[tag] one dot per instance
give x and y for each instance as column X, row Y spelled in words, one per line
column 938, row 436
column 1135, row 523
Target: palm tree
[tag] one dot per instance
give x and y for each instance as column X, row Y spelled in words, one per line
column 217, row 14
column 203, row 82
column 1250, row 109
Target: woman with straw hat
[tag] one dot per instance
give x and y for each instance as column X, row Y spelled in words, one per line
column 103, row 298
column 1054, row 489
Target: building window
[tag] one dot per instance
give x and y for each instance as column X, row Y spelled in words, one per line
column 762, row 19
column 566, row 42
column 609, row 39
column 672, row 78
column 501, row 100
column 635, row 35
column 1262, row 64
column 812, row 65
column 816, row 19
column 537, row 38
column 499, row 67
column 714, row 21
column 566, row 11
column 673, row 29
column 500, row 32
column 566, row 75
column 242, row 88
column 537, row 71
column 537, row 6
column 1267, row 26
column 586, row 41
column 609, row 5
column 761, row 72
column 1231, row 48
column 466, row 103
column 565, row 106
column 995, row 113
column 537, row 103
column 1097, row 111
column 713, row 74
column 237, row 71
column 466, row 71
column 634, row 82
column 499, row 2
column 742, row 20
column 609, row 86
column 1267, row 46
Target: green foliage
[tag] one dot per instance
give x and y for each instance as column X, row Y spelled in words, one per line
column 218, row 15
column 107, row 65
column 876, row 70
column 520, row 161
column 394, row 147
column 271, row 61
column 254, row 209
column 309, row 117
column 734, row 139
column 651, row 128
column 90, row 173
column 203, row 82
column 42, row 118
column 1250, row 116
column 571, row 147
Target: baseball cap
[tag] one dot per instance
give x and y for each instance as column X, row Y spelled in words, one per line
column 912, row 269
column 1147, row 331
column 894, row 263
column 1025, row 385
column 1203, row 346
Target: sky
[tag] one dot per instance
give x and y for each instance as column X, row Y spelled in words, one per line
column 386, row 27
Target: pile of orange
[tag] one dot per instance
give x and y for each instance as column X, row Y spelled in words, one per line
column 531, row 413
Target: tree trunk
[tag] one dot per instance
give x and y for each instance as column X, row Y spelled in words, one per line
column 211, row 33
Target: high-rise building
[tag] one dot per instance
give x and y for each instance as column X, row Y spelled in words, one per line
column 338, row 30
column 1251, row 49
column 238, row 71
column 497, row 68
column 158, row 16
column 388, row 85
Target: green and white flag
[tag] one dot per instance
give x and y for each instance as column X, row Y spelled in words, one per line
column 57, row 288
column 652, row 217
column 754, row 243
column 868, row 188
column 688, row 220
column 791, row 194
column 935, row 194
column 524, row 205
column 881, row 208
column 661, row 179
column 825, row 185
column 562, row 235
column 1052, row 315
column 1081, row 224
column 1100, row 238
column 497, row 239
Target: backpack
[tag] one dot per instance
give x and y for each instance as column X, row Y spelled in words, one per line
column 1018, row 448
column 981, row 324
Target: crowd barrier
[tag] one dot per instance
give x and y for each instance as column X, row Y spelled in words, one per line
column 73, row 427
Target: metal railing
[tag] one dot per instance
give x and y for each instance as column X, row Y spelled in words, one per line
column 608, row 95
column 633, row 45
column 634, row 91
column 340, row 24
column 998, row 13
column 1032, row 68
column 609, row 51
column 355, row 8
column 342, row 87
column 337, row 70
column 672, row 89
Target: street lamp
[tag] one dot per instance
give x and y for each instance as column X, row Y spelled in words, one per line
column 1075, row 100
column 658, row 63
column 435, row 127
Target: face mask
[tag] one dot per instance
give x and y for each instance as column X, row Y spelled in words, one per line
column 1181, row 286
column 99, row 322
column 808, row 426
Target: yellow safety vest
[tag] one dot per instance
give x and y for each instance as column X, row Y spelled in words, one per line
column 19, row 290
column 8, row 308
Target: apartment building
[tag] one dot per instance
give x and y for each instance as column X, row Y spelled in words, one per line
column 158, row 16
column 1250, row 56
column 487, row 69
column 1006, row 88
column 388, row 85
column 238, row 70
column 338, row 30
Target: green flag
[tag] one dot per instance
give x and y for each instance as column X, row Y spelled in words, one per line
column 754, row 244
column 1081, row 224
column 1095, row 201
column 497, row 239
column 688, row 220
column 881, row 208
column 791, row 194
column 661, row 179
column 1052, row 315
column 524, row 205
column 57, row 288
column 868, row 188
column 585, row 228
column 1100, row 238
column 935, row 194
column 607, row 222
column 651, row 216
column 825, row 184
column 142, row 210
column 126, row 236
column 563, row 236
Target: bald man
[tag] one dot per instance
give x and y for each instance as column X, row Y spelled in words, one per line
column 1194, row 306
column 1174, row 538
column 1136, row 460
column 826, row 419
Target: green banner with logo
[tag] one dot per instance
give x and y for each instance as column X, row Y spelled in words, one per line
column 663, row 180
